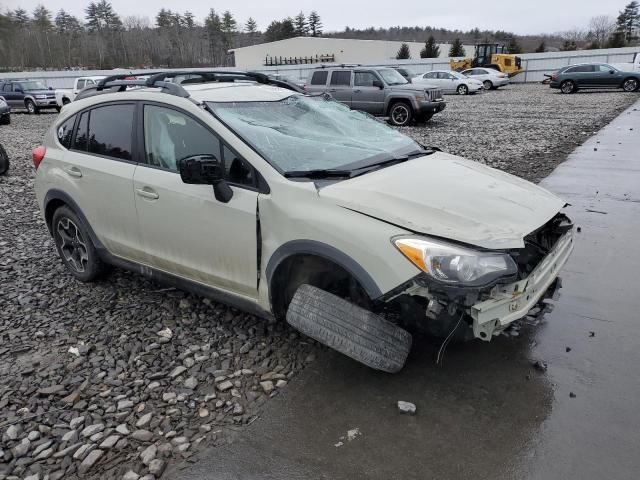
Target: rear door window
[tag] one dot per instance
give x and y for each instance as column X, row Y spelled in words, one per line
column 111, row 131
column 430, row 75
column 319, row 78
column 341, row 78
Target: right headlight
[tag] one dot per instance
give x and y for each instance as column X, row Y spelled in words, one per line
column 452, row 264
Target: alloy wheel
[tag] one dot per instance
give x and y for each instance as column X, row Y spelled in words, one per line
column 400, row 114
column 630, row 85
column 567, row 87
column 72, row 245
column 463, row 90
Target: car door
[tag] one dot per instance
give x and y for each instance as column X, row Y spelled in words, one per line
column 607, row 76
column 98, row 170
column 80, row 84
column 185, row 230
column 584, row 76
column 13, row 98
column 429, row 78
column 447, row 82
column 367, row 96
column 340, row 86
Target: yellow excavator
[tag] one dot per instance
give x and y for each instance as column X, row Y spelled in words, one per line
column 490, row 55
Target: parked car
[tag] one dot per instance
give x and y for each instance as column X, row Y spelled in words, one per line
column 30, row 94
column 407, row 73
column 4, row 161
column 490, row 78
column 450, row 82
column 5, row 112
column 572, row 78
column 293, row 206
column 67, row 95
column 380, row 91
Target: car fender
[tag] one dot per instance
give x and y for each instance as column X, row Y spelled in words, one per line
column 400, row 96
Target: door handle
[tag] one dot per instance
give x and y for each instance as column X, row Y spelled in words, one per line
column 357, row 91
column 73, row 171
column 147, row 192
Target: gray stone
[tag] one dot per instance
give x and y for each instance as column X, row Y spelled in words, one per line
column 92, row 429
column 224, row 386
column 89, row 461
column 168, row 396
column 267, row 386
column 148, row 454
column 35, row 476
column 70, row 436
column 142, row 435
column 125, row 404
column 43, row 455
column 33, row 435
column 179, row 370
column 153, row 385
column 42, row 446
column 67, row 451
column 156, row 467
column 83, row 451
column 76, row 422
column 122, row 429
column 407, row 408
column 13, row 432
column 191, row 383
column 144, row 420
column 109, row 442
column 130, row 475
column 22, row 448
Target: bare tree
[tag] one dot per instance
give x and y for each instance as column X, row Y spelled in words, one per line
column 600, row 28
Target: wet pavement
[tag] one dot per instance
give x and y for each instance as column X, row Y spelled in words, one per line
column 486, row 412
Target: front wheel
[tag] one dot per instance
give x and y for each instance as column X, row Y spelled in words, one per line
column 31, row 107
column 4, row 161
column 630, row 85
column 463, row 90
column 74, row 246
column 400, row 114
column 567, row 87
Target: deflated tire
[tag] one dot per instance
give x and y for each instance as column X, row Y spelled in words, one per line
column 349, row 329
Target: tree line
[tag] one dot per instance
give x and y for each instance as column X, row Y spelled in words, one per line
column 102, row 39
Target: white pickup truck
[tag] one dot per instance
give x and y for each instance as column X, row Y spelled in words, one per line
column 67, row 95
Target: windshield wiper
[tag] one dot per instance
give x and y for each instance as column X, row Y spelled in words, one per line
column 318, row 173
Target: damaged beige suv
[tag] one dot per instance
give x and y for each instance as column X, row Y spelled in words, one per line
column 244, row 189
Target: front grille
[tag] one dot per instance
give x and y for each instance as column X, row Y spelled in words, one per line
column 434, row 94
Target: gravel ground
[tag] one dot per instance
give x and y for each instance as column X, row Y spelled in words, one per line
column 118, row 378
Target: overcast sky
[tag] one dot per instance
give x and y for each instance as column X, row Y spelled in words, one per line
column 531, row 16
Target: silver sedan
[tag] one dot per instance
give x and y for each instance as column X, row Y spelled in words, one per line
column 449, row 82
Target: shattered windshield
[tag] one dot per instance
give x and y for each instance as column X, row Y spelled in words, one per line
column 309, row 133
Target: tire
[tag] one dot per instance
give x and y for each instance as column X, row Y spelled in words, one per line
column 75, row 248
column 568, row 87
column 400, row 114
column 487, row 84
column 5, row 119
column 462, row 90
column 4, row 161
column 31, row 107
column 66, row 101
column 630, row 84
column 349, row 329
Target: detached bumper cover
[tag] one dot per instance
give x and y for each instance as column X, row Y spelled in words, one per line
column 512, row 302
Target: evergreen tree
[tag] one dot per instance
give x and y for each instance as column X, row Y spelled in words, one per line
column 300, row 24
column 188, row 20
column 280, row 30
column 229, row 24
column 541, row 48
column 20, row 18
column 251, row 27
column 457, row 50
column 100, row 16
column 42, row 18
column 431, row 49
column 514, row 47
column 403, row 52
column 315, row 25
column 66, row 23
column 629, row 20
column 164, row 18
column 569, row 45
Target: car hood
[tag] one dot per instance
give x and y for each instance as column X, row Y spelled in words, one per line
column 40, row 92
column 450, row 197
column 411, row 87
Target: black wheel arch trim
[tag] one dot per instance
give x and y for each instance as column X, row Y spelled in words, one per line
column 55, row 194
column 313, row 247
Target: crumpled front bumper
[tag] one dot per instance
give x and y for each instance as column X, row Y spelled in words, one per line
column 512, row 302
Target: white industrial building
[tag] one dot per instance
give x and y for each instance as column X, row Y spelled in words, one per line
column 301, row 50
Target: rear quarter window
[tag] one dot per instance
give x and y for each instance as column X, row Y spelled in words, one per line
column 65, row 132
column 319, row 78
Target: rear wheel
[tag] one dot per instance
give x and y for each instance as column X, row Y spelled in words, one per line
column 462, row 90
column 630, row 85
column 4, row 161
column 31, row 107
column 400, row 114
column 567, row 86
column 349, row 329
column 487, row 84
column 74, row 246
column 5, row 119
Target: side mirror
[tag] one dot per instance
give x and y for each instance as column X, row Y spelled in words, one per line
column 50, row 88
column 612, row 71
column 205, row 170
column 378, row 83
